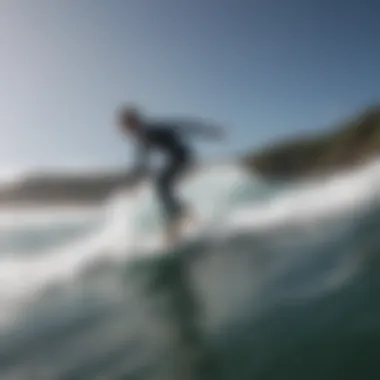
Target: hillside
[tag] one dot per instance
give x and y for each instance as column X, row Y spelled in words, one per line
column 63, row 189
column 349, row 143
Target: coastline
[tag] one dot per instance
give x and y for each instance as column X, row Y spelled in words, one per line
column 347, row 145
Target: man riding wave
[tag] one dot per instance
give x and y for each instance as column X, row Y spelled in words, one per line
column 170, row 138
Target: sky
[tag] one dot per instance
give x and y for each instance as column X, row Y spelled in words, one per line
column 263, row 69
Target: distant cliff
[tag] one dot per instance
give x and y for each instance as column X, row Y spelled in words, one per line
column 63, row 188
column 350, row 143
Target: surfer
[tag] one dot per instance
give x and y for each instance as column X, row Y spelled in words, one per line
column 168, row 137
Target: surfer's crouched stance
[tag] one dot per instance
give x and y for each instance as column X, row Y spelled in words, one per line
column 169, row 138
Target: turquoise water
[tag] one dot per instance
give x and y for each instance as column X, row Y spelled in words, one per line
column 284, row 286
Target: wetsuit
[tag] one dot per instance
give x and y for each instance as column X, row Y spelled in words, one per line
column 167, row 138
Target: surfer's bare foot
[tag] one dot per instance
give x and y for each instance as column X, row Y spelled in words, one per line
column 172, row 234
column 187, row 217
column 177, row 227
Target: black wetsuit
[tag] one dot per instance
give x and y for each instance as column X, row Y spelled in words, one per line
column 168, row 139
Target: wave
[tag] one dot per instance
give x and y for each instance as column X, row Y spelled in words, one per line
column 229, row 201
column 277, row 265
column 227, row 198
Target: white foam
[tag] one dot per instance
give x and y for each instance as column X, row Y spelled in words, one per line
column 338, row 196
column 212, row 189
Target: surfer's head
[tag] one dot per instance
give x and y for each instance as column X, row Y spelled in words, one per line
column 129, row 119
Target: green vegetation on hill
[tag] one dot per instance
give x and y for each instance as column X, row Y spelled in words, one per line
column 351, row 143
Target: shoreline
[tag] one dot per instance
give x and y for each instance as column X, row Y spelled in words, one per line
column 352, row 143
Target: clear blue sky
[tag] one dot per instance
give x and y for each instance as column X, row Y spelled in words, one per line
column 264, row 69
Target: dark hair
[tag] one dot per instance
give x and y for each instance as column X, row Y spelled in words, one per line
column 127, row 111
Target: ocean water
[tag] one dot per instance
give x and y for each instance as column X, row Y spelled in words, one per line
column 276, row 281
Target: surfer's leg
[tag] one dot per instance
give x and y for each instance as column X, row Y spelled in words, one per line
column 173, row 207
column 166, row 190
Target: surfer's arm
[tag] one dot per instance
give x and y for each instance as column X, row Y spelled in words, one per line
column 203, row 129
